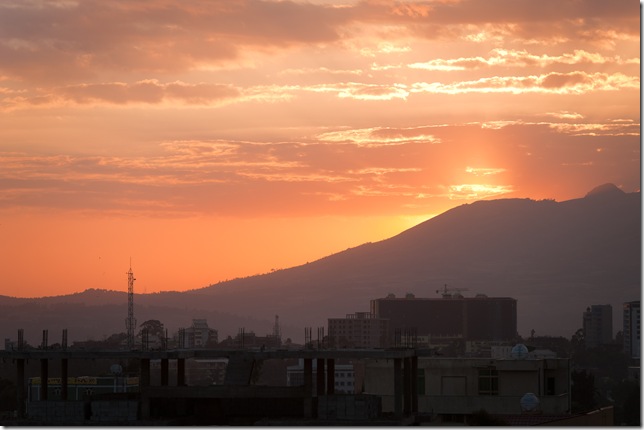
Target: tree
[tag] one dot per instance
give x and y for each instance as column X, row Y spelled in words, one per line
column 583, row 391
column 154, row 328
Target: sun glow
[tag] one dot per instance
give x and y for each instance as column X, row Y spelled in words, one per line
column 213, row 140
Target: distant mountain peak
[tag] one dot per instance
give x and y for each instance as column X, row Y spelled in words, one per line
column 605, row 190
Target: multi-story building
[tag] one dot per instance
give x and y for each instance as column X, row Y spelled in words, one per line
column 632, row 318
column 198, row 335
column 598, row 325
column 359, row 330
column 451, row 389
column 346, row 377
column 452, row 316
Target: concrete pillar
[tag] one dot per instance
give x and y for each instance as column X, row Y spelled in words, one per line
column 165, row 370
column 330, row 376
column 63, row 378
column 319, row 377
column 20, row 386
column 181, row 372
column 398, row 388
column 44, row 378
column 407, row 385
column 145, row 405
column 308, row 388
column 414, row 385
column 145, row 372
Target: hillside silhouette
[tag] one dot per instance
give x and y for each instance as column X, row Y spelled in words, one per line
column 555, row 258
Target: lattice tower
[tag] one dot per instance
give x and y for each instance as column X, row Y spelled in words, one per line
column 130, row 322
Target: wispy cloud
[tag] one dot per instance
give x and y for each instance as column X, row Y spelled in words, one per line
column 380, row 136
column 515, row 58
column 571, row 83
column 477, row 191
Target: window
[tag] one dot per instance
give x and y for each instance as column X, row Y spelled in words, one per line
column 420, row 379
column 488, row 381
column 550, row 386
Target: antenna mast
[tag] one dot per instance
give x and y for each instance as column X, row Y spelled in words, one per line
column 130, row 322
column 277, row 332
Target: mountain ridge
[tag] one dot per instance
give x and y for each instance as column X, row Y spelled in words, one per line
column 560, row 256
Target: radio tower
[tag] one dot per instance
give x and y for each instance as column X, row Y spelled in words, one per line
column 130, row 322
column 277, row 332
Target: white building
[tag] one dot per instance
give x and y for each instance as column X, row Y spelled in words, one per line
column 198, row 335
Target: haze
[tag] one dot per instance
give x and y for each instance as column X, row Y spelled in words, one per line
column 219, row 139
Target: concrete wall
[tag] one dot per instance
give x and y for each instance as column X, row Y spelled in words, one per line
column 114, row 410
column 78, row 412
column 551, row 405
column 57, row 412
column 348, row 407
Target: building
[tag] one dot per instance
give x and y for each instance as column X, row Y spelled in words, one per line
column 347, row 377
column 206, row 371
column 359, row 330
column 249, row 340
column 81, row 387
column 632, row 318
column 452, row 389
column 449, row 317
column 198, row 335
column 598, row 325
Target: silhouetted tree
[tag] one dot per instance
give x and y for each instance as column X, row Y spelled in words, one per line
column 583, row 391
column 154, row 328
column 628, row 394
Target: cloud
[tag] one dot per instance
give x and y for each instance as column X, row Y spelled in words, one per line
column 565, row 115
column 577, row 82
column 147, row 92
column 610, row 128
column 477, row 191
column 515, row 58
column 380, row 136
column 340, row 171
column 66, row 42
column 45, row 42
column 484, row 171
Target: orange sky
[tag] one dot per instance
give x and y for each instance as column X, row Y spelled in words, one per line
column 220, row 139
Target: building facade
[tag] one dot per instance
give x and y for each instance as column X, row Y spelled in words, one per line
column 81, row 387
column 598, row 325
column 347, row 377
column 198, row 335
column 359, row 330
column 451, row 389
column 632, row 318
column 458, row 317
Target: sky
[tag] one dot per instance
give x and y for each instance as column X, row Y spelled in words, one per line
column 207, row 140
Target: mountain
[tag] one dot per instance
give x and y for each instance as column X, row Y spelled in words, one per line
column 555, row 258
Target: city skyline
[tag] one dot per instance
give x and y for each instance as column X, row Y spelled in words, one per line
column 213, row 141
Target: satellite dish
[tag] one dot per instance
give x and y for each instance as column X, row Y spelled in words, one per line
column 519, row 351
column 529, row 402
column 116, row 369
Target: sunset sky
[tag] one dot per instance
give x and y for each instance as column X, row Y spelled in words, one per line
column 208, row 140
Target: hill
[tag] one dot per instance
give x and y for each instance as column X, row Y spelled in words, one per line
column 555, row 258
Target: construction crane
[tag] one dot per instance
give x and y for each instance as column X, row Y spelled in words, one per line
column 447, row 292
